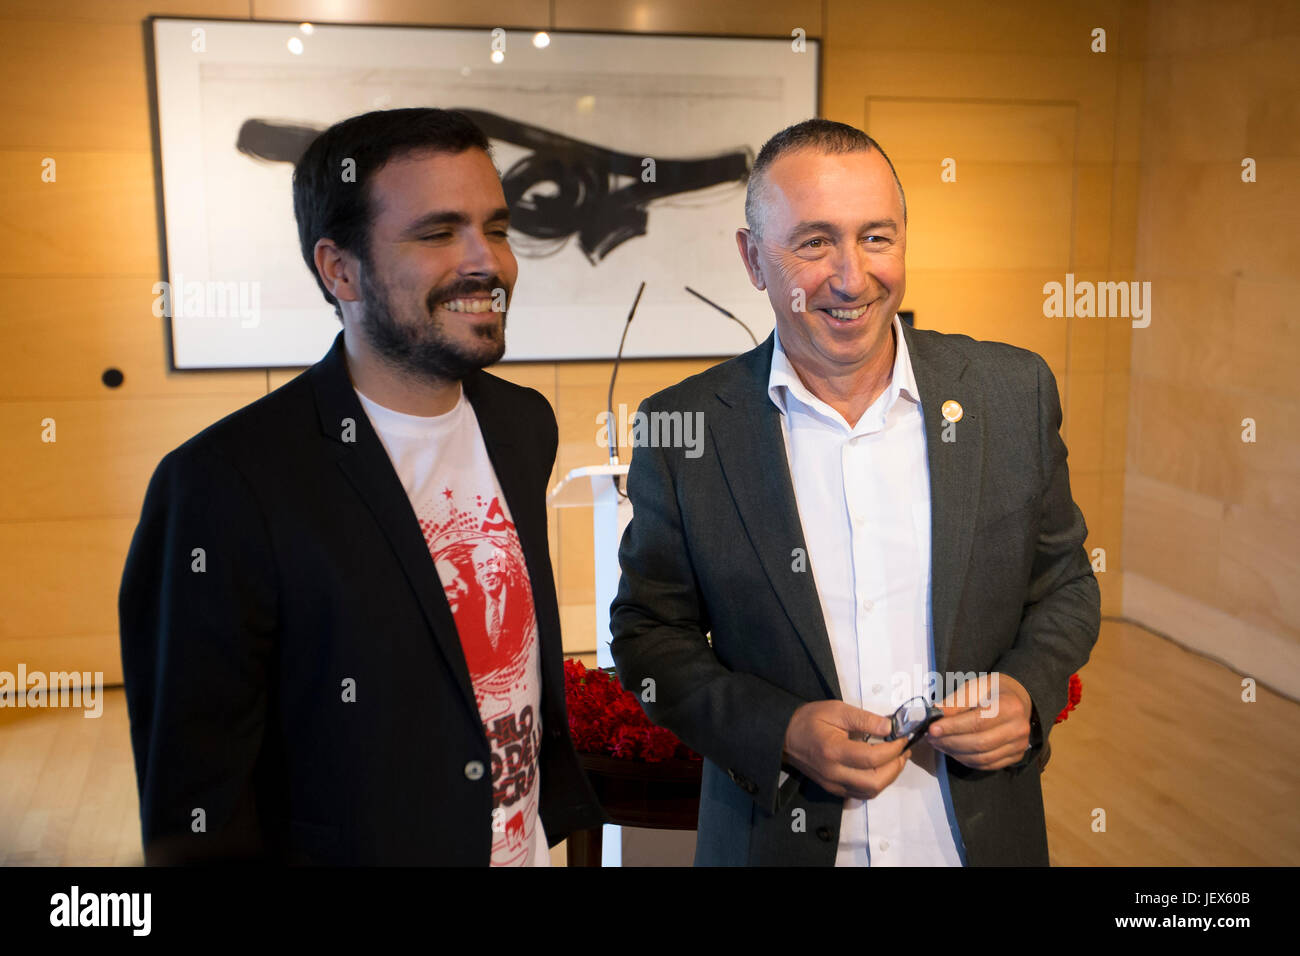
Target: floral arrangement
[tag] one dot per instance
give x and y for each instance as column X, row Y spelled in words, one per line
column 607, row 720
column 1076, row 695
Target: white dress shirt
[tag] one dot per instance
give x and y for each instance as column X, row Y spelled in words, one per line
column 863, row 494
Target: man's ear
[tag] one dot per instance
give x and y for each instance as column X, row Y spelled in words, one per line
column 339, row 270
column 748, row 247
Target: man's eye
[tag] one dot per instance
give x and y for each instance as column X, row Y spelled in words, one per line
column 503, row 233
column 809, row 244
column 438, row 235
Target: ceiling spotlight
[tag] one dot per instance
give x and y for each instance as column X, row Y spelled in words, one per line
column 306, row 28
column 295, row 46
column 541, row 39
column 498, row 56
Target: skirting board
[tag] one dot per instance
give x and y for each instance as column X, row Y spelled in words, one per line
column 1271, row 658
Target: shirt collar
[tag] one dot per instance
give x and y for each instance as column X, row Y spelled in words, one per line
column 784, row 379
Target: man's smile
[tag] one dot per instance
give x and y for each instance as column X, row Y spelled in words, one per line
column 467, row 304
column 845, row 317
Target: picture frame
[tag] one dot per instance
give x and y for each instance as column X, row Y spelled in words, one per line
column 238, row 100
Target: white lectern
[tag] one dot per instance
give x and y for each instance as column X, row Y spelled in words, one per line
column 598, row 487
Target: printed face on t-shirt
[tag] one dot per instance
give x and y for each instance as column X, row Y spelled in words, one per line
column 455, row 586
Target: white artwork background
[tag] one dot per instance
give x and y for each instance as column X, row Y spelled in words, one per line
column 229, row 216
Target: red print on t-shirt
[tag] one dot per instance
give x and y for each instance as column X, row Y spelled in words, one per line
column 480, row 562
column 481, row 565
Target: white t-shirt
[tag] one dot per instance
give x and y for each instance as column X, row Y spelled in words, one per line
column 443, row 464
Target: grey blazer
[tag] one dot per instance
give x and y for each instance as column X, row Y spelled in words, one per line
column 709, row 551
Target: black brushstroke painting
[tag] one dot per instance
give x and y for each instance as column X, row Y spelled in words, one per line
column 588, row 201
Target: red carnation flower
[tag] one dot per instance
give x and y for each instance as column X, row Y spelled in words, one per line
column 1075, row 695
column 606, row 719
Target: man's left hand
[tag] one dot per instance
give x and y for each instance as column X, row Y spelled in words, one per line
column 985, row 726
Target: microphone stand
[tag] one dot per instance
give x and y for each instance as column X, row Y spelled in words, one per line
column 609, row 404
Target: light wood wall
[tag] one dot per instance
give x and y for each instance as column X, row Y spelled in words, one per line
column 1044, row 133
column 1211, row 522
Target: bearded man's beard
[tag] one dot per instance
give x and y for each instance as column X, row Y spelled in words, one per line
column 424, row 349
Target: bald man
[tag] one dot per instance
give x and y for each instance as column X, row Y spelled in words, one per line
column 886, row 517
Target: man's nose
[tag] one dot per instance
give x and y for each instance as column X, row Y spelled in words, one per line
column 852, row 271
column 479, row 257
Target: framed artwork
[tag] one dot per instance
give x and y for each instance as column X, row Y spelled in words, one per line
column 624, row 159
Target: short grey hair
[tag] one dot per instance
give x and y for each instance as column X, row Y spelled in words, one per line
column 826, row 136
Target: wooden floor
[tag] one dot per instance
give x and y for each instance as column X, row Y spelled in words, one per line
column 1186, row 773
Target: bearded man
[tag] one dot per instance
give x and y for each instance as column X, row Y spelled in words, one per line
column 300, row 688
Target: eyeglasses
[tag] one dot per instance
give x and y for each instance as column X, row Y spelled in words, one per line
column 911, row 720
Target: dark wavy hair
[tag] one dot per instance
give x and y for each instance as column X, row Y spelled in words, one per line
column 331, row 197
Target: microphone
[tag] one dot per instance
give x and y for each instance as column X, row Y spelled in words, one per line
column 723, row 311
column 609, row 422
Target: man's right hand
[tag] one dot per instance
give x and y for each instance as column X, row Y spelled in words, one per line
column 817, row 743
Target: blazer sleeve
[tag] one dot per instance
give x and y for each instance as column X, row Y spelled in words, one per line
column 197, row 611
column 659, row 623
column 1062, row 612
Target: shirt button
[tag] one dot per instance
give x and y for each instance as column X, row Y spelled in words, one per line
column 884, row 844
column 474, row 770
column 868, row 605
column 877, row 688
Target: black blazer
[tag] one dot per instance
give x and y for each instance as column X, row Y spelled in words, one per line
column 710, row 548
column 278, row 569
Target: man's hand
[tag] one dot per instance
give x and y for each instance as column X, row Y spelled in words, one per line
column 817, row 743
column 984, row 727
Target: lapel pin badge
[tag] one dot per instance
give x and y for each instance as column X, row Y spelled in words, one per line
column 952, row 410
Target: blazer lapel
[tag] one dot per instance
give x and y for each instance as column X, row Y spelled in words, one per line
column 498, row 432
column 362, row 459
column 752, row 453
column 956, row 473
column 746, row 431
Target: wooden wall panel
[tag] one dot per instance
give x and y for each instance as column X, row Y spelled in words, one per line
column 78, row 85
column 103, row 454
column 1001, row 305
column 733, row 17
column 95, row 219
column 120, row 11
column 1265, row 346
column 82, row 253
column 494, row 13
column 58, row 584
column 993, row 217
column 61, row 332
column 1211, row 518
